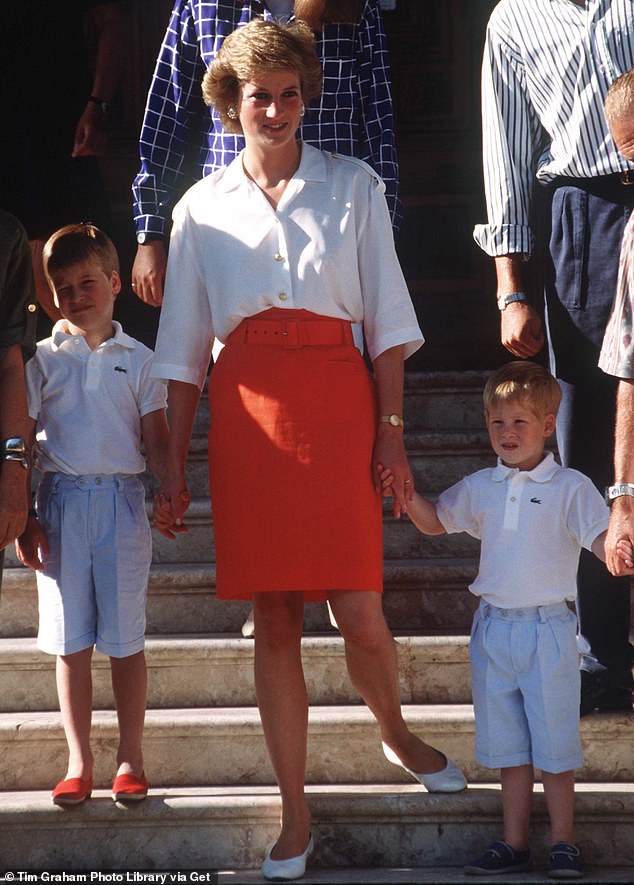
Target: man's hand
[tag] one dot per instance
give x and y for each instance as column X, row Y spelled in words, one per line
column 91, row 134
column 521, row 329
column 32, row 545
column 13, row 501
column 148, row 272
column 620, row 529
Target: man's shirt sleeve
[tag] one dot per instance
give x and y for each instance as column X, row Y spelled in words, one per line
column 512, row 136
column 376, row 106
column 174, row 106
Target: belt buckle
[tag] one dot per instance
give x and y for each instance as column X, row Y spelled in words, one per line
column 290, row 334
column 627, row 177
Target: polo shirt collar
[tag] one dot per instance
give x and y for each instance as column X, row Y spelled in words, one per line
column 60, row 335
column 312, row 167
column 544, row 471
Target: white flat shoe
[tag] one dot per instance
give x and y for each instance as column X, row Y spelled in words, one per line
column 291, row 868
column 448, row 780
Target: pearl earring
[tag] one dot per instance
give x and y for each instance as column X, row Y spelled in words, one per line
column 302, row 110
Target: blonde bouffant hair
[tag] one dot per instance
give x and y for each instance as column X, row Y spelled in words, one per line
column 525, row 382
column 257, row 47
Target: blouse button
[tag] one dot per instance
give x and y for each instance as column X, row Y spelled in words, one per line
column 282, row 296
column 31, row 308
column 513, row 499
column 278, row 257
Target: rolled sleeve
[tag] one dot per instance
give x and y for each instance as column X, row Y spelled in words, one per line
column 512, row 135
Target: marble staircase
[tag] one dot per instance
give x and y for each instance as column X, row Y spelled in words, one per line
column 213, row 805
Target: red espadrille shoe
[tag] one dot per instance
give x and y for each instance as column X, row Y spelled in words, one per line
column 72, row 791
column 129, row 788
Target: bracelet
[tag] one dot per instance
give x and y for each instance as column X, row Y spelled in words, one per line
column 620, row 490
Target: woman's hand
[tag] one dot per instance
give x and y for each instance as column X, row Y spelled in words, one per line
column 170, row 505
column 390, row 468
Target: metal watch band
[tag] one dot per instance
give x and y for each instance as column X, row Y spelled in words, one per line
column 505, row 300
column 15, row 449
column 620, row 490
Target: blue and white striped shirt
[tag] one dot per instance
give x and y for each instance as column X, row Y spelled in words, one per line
column 547, row 67
column 183, row 141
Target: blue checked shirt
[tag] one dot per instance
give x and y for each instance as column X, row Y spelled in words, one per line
column 182, row 140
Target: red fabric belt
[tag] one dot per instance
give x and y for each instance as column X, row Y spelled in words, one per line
column 295, row 333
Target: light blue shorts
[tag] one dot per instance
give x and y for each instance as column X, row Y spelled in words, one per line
column 93, row 588
column 526, row 685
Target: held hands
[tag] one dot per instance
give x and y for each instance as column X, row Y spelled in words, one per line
column 32, row 546
column 392, row 475
column 170, row 505
column 619, row 540
column 625, row 557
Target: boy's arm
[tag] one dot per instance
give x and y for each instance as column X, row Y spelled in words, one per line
column 31, row 546
column 423, row 514
column 155, row 433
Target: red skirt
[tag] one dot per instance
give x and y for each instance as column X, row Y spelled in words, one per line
column 290, row 452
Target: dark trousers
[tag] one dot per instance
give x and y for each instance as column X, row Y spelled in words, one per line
column 581, row 265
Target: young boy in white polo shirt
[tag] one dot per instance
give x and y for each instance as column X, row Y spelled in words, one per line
column 91, row 402
column 532, row 517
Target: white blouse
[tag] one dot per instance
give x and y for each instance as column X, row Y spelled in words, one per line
column 328, row 248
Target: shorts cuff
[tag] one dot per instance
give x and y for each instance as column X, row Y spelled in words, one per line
column 120, row 649
column 68, row 647
column 557, row 766
column 508, row 761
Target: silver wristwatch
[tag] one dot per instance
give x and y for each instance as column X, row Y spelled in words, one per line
column 505, row 300
column 619, row 490
column 15, row 449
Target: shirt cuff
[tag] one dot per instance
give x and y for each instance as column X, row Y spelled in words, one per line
column 150, row 224
column 504, row 239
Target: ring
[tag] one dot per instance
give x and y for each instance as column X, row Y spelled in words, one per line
column 133, row 285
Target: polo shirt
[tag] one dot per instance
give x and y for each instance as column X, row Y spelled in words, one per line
column 532, row 524
column 88, row 404
column 327, row 248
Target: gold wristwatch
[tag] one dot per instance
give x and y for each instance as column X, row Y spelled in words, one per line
column 394, row 420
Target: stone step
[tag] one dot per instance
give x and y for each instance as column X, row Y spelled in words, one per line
column 224, row 746
column 210, row 671
column 428, row 595
column 381, row 833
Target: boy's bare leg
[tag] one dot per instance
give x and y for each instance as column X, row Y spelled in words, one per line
column 559, row 790
column 517, row 796
column 129, row 684
column 74, row 690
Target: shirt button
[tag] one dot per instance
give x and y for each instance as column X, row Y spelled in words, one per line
column 283, row 296
column 278, row 257
column 513, row 499
column 31, row 308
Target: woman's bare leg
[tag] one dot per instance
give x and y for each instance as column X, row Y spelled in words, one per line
column 283, row 703
column 373, row 668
